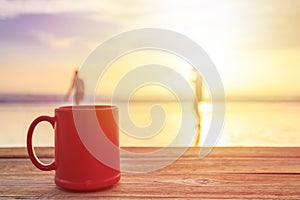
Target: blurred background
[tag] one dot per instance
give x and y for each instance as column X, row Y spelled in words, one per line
column 255, row 45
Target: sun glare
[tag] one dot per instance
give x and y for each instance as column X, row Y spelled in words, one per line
column 125, row 64
column 205, row 107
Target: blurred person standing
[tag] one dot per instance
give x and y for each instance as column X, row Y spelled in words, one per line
column 196, row 80
column 77, row 87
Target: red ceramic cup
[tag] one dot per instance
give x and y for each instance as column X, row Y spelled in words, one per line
column 76, row 167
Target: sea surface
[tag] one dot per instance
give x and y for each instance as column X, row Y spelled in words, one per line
column 246, row 124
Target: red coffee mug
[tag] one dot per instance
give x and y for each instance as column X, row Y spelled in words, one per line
column 76, row 167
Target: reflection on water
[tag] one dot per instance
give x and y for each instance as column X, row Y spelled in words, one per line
column 246, row 124
column 177, row 116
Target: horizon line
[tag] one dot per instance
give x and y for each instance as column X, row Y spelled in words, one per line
column 59, row 98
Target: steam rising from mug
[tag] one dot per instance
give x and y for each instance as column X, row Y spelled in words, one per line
column 155, row 39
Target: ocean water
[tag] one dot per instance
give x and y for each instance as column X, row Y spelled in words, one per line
column 246, row 124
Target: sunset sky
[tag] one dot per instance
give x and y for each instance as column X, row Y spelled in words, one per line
column 255, row 44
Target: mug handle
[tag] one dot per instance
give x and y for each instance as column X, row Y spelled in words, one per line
column 33, row 157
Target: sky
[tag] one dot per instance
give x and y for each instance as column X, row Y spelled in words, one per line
column 255, row 44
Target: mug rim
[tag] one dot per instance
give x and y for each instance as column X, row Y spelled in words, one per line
column 86, row 107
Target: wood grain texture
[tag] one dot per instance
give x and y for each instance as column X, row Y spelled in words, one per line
column 226, row 173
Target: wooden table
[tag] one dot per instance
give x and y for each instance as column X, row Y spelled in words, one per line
column 226, row 173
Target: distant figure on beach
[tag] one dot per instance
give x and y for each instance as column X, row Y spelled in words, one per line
column 197, row 82
column 78, row 87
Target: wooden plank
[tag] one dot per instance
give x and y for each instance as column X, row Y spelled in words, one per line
column 227, row 173
column 21, row 152
column 157, row 184
column 229, row 160
column 245, row 152
column 188, row 167
column 226, row 162
column 152, row 185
